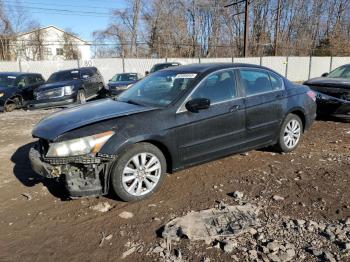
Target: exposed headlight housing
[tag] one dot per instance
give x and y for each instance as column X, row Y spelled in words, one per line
column 79, row 146
column 1, row 94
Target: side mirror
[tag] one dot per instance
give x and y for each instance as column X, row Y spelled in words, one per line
column 85, row 76
column 197, row 104
column 324, row 74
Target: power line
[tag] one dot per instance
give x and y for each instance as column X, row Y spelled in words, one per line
column 58, row 5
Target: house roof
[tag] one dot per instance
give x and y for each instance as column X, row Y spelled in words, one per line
column 59, row 29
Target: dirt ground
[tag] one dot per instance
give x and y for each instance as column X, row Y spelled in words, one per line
column 39, row 223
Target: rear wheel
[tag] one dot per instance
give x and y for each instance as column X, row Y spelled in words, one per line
column 290, row 133
column 81, row 98
column 138, row 172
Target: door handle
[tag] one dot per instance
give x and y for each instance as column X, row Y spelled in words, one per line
column 234, row 108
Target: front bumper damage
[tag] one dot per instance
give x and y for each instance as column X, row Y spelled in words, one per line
column 333, row 106
column 83, row 175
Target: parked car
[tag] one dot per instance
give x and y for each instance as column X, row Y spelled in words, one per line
column 333, row 92
column 168, row 121
column 162, row 66
column 16, row 89
column 69, row 86
column 121, row 82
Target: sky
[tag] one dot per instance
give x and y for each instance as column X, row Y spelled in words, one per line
column 82, row 17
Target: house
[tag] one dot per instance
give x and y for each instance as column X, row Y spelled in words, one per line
column 51, row 43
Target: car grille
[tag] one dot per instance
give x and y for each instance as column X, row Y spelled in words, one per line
column 52, row 93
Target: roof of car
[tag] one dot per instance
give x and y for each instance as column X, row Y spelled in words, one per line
column 17, row 73
column 207, row 66
column 76, row 69
column 210, row 67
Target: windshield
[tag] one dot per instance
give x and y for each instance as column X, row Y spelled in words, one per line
column 124, row 77
column 158, row 67
column 63, row 76
column 7, row 80
column 158, row 89
column 340, row 72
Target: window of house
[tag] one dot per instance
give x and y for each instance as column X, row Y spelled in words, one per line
column 47, row 51
column 59, row 51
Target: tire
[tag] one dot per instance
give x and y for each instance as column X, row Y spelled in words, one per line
column 290, row 134
column 9, row 107
column 12, row 105
column 81, row 97
column 141, row 184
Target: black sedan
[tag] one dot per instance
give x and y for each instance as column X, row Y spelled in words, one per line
column 16, row 89
column 333, row 93
column 68, row 87
column 170, row 120
column 121, row 82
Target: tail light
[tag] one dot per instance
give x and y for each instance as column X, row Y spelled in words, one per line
column 312, row 95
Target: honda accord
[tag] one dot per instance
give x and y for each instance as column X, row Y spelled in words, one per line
column 168, row 121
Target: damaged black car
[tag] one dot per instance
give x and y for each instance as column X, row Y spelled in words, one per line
column 333, row 93
column 168, row 121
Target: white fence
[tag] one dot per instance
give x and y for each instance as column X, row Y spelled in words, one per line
column 294, row 68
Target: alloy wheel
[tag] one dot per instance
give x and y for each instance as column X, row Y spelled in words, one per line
column 292, row 133
column 141, row 174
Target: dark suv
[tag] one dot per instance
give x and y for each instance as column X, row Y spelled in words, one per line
column 16, row 89
column 69, row 86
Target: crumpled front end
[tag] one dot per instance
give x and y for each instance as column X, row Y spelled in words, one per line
column 333, row 101
column 84, row 175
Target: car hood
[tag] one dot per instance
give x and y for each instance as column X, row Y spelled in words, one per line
column 57, row 84
column 66, row 120
column 329, row 82
column 120, row 83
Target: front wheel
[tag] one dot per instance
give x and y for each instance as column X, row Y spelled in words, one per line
column 138, row 172
column 290, row 134
column 81, row 98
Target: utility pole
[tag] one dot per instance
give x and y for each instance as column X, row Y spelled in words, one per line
column 246, row 28
column 246, row 23
column 277, row 26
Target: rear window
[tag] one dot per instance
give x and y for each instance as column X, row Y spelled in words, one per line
column 255, row 81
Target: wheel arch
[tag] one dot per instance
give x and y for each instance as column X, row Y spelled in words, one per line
column 300, row 113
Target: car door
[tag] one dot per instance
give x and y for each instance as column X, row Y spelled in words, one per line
column 217, row 130
column 22, row 87
column 264, row 104
column 32, row 83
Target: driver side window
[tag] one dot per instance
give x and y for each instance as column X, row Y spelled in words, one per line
column 22, row 82
column 217, row 87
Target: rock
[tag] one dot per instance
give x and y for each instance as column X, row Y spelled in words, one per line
column 229, row 245
column 102, row 207
column 253, row 255
column 238, row 195
column 328, row 256
column 345, row 246
column 273, row 257
column 273, row 246
column 158, row 249
column 126, row 215
column 109, row 237
column 128, row 252
column 347, row 221
column 286, row 256
column 26, row 195
column 277, row 198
